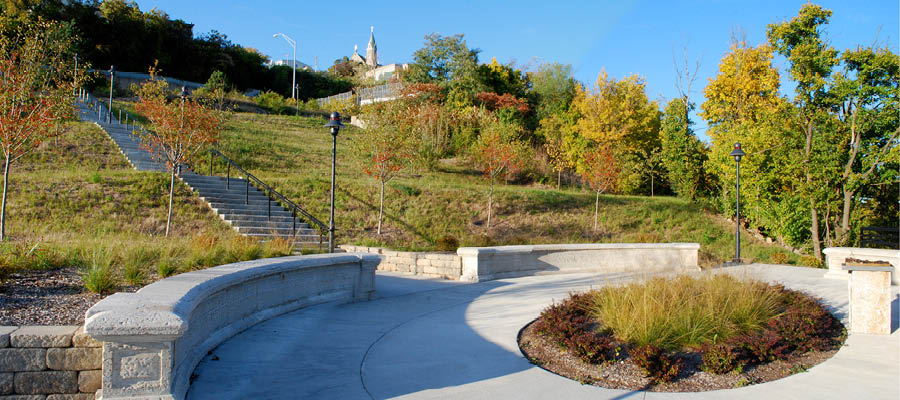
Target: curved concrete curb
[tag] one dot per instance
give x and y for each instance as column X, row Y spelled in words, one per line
column 489, row 263
column 154, row 338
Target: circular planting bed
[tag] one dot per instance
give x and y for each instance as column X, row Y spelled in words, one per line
column 682, row 334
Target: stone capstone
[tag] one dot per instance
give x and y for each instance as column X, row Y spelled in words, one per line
column 74, row 359
column 81, row 339
column 46, row 382
column 89, row 381
column 16, row 360
column 4, row 335
column 43, row 336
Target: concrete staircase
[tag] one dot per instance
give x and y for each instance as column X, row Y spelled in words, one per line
column 247, row 209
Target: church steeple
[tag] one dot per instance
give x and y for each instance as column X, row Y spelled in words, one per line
column 372, row 51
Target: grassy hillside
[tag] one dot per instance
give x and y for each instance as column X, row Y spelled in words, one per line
column 294, row 154
column 79, row 203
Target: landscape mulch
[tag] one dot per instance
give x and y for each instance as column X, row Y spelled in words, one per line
column 624, row 374
column 46, row 297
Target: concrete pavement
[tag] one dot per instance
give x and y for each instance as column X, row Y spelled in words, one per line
column 424, row 339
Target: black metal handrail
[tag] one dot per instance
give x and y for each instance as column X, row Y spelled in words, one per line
column 284, row 201
column 887, row 237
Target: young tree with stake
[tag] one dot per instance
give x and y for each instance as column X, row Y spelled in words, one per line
column 601, row 171
column 387, row 146
column 495, row 153
column 180, row 129
column 31, row 95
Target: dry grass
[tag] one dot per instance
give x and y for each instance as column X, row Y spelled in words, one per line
column 675, row 313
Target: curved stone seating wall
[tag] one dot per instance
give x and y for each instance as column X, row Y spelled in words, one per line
column 835, row 256
column 488, row 263
column 153, row 339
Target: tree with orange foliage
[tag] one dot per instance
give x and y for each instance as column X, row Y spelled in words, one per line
column 31, row 94
column 496, row 153
column 387, row 148
column 601, row 171
column 180, row 130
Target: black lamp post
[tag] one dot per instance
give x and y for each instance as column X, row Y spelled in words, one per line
column 737, row 153
column 112, row 84
column 335, row 124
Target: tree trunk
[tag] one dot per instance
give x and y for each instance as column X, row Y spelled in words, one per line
column 171, row 195
column 558, row 179
column 596, row 209
column 490, row 204
column 814, row 229
column 651, row 185
column 3, row 203
column 813, row 212
column 381, row 208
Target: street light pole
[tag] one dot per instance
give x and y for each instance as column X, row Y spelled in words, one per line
column 737, row 153
column 112, row 84
column 335, row 124
column 293, row 44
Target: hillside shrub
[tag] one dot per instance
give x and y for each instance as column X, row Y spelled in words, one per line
column 447, row 243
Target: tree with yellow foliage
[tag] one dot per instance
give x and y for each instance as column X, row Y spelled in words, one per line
column 618, row 114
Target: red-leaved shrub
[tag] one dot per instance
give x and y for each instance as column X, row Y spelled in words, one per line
column 657, row 365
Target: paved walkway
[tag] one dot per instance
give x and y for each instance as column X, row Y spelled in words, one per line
column 429, row 339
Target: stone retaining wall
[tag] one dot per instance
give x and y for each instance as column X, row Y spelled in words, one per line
column 48, row 363
column 489, row 263
column 153, row 339
column 440, row 265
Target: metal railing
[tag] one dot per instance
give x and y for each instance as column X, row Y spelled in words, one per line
column 366, row 95
column 272, row 194
column 879, row 237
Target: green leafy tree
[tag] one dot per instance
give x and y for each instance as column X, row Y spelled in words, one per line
column 866, row 100
column 682, row 154
column 553, row 85
column 811, row 62
column 448, row 61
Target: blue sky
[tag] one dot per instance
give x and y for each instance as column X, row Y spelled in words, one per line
column 625, row 37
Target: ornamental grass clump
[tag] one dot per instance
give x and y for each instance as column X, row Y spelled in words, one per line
column 683, row 312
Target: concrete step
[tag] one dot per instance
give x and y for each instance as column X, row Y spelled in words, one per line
column 258, row 213
column 249, row 207
column 274, row 231
column 309, row 239
column 242, row 218
column 268, row 224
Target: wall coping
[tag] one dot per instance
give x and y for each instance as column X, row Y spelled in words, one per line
column 489, row 263
column 162, row 309
column 862, row 251
column 471, row 251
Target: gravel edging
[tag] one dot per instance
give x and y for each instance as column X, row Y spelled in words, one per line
column 46, row 297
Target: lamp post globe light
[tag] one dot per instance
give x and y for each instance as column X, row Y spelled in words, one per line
column 293, row 44
column 737, row 153
column 112, row 84
column 335, row 124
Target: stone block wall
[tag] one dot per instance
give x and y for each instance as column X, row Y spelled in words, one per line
column 441, row 265
column 48, row 363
